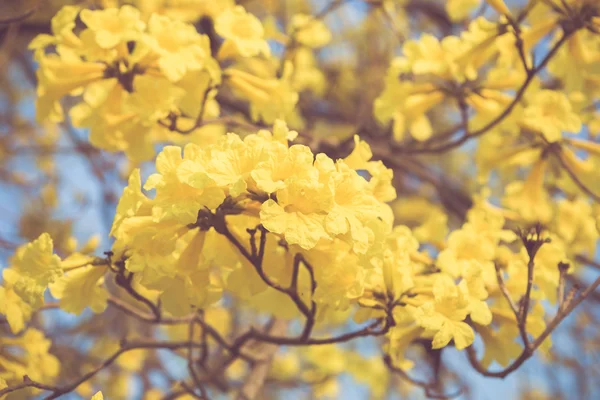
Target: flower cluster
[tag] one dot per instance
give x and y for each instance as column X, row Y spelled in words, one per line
column 470, row 69
column 135, row 76
column 32, row 269
column 129, row 73
column 455, row 198
column 310, row 204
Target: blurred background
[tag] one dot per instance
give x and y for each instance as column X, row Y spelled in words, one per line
column 52, row 180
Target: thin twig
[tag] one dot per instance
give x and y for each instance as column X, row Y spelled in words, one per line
column 429, row 387
column 505, row 113
column 529, row 351
column 58, row 391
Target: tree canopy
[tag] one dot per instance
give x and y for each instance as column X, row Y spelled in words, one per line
column 262, row 199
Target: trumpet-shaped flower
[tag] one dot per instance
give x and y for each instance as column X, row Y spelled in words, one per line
column 270, row 99
column 32, row 269
column 551, row 113
column 243, row 34
column 132, row 75
column 299, row 212
column 444, row 316
column 309, row 31
column 112, row 26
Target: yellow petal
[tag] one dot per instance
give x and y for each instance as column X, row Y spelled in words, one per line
column 499, row 6
column 97, row 396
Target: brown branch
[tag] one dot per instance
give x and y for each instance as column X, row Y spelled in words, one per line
column 519, row 44
column 19, row 18
column 257, row 261
column 529, row 351
column 505, row 293
column 145, row 317
column 172, row 125
column 58, row 391
column 452, row 197
column 124, row 280
column 369, row 330
column 252, row 334
column 574, row 176
column 226, row 120
column 255, row 379
column 505, row 113
column 190, row 361
column 149, row 318
column 560, row 290
column 189, row 390
column 27, row 383
column 524, row 304
column 429, row 387
column 588, row 261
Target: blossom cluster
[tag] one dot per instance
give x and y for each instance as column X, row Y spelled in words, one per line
column 310, row 204
column 307, row 214
column 137, row 76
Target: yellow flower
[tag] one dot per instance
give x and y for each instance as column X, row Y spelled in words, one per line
column 285, row 366
column 477, row 241
column 245, row 283
column 499, row 6
column 400, row 338
column 396, row 274
column 32, row 268
column 529, row 198
column 188, row 284
column 58, row 77
column 459, row 10
column 181, row 192
column 464, row 245
column 353, row 207
column 473, row 288
column 172, row 260
column 429, row 220
column 17, row 311
column 279, row 162
column 113, row 26
column 62, row 25
column 81, row 288
column 259, row 163
column 575, row 224
column 132, row 202
column 180, row 48
column 443, row 316
column 28, row 355
column 131, row 75
column 270, row 99
column 184, row 10
column 473, row 49
column 344, row 279
column 243, row 34
column 169, row 241
column 299, row 212
column 309, row 31
column 489, row 102
column 550, row 113
column 404, row 105
column 500, row 345
column 307, row 75
column 428, row 55
column 120, row 120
